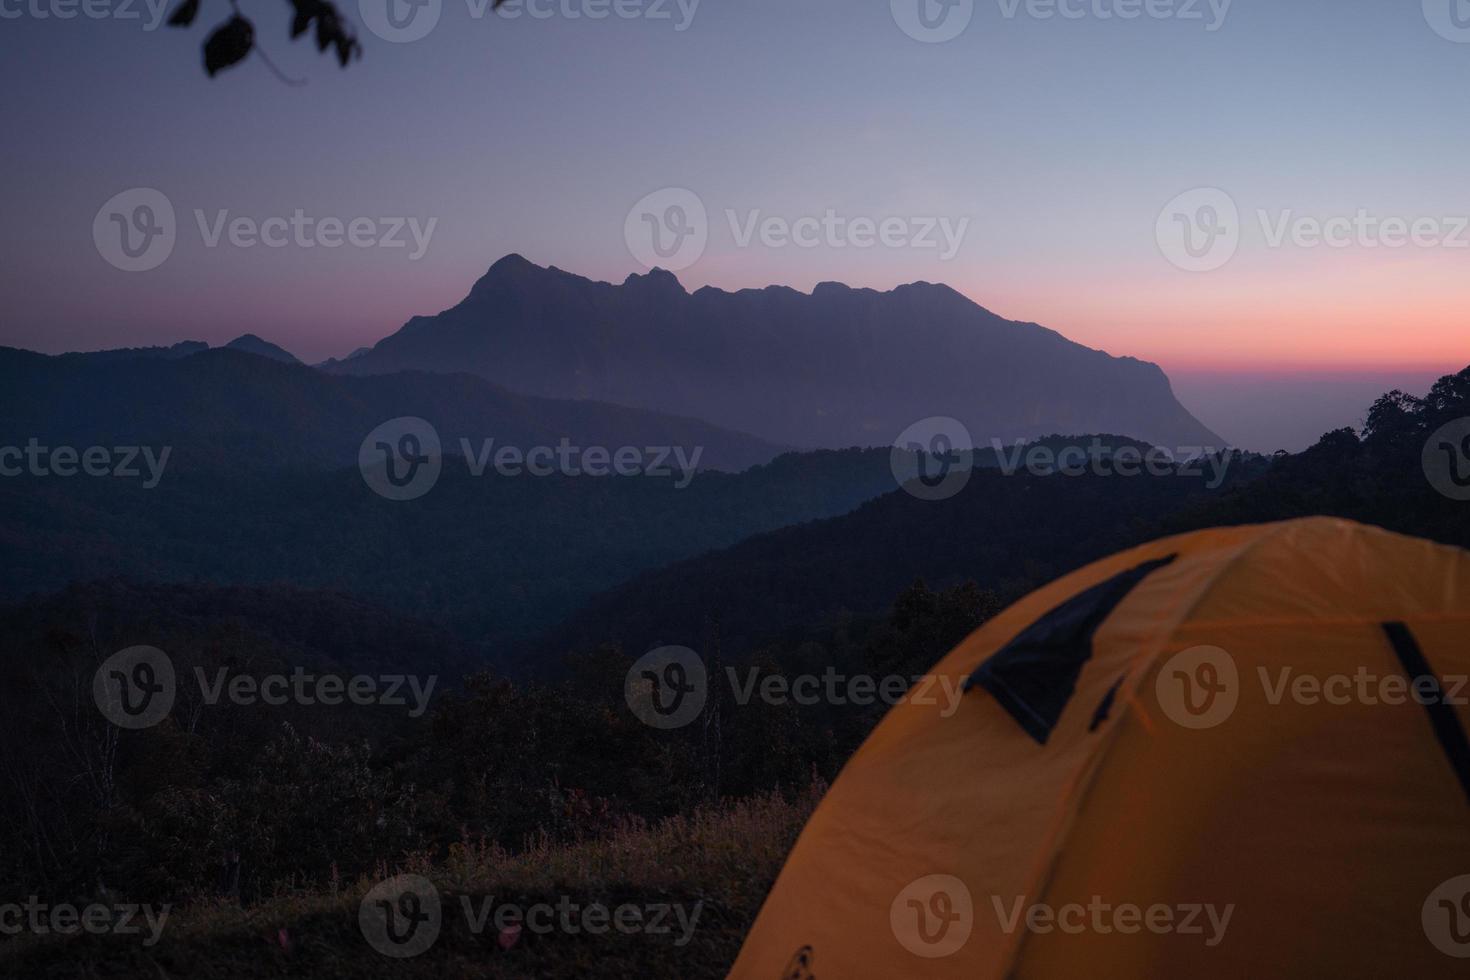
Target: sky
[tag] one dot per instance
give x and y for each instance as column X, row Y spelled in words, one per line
column 1146, row 184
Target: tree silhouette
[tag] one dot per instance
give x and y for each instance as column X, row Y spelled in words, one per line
column 230, row 42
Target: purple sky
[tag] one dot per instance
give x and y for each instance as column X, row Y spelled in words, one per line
column 1057, row 141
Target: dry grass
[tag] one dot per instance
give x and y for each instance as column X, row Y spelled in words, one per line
column 721, row 861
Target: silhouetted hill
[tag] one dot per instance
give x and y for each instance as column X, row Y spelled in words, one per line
column 496, row 558
column 1380, row 475
column 251, row 344
column 1012, row 534
column 182, row 349
column 1008, row 533
column 238, row 410
column 269, row 626
column 837, row 367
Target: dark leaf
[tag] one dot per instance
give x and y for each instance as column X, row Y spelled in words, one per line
column 328, row 28
column 228, row 45
column 184, row 14
column 306, row 12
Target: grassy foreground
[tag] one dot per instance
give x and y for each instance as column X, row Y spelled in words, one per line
column 716, row 864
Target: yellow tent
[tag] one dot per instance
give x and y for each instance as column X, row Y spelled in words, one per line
column 1234, row 753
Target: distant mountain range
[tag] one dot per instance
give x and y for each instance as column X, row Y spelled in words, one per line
column 834, row 368
column 1013, row 533
column 246, row 410
column 495, row 558
column 248, row 343
column 1010, row 533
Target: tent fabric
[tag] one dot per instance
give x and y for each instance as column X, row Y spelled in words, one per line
column 1238, row 746
column 1447, row 727
column 1034, row 675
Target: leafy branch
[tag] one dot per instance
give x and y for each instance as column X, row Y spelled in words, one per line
column 233, row 40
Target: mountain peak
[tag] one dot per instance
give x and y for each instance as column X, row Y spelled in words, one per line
column 655, row 279
column 251, row 344
column 509, row 271
column 513, row 262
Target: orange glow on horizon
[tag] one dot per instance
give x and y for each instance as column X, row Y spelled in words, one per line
column 1316, row 313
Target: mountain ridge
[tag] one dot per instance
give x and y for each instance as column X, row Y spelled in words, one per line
column 221, row 405
column 839, row 366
